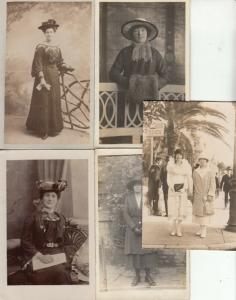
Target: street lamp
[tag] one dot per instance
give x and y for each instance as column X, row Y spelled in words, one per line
column 232, row 205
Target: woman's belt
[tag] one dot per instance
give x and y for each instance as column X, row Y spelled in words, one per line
column 51, row 245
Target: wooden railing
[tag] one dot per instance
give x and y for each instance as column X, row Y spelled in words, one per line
column 111, row 98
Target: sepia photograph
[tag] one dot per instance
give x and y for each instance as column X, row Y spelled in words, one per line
column 48, row 74
column 143, row 55
column 123, row 266
column 189, row 169
column 47, row 222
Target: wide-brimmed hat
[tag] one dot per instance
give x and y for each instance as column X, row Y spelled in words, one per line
column 229, row 169
column 51, row 186
column 50, row 23
column 133, row 182
column 127, row 28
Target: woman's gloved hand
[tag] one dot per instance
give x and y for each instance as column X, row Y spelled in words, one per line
column 138, row 231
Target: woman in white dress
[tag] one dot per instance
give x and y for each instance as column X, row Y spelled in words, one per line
column 204, row 187
column 179, row 179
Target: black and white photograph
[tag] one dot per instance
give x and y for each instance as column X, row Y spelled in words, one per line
column 48, row 74
column 143, row 55
column 49, row 223
column 123, row 267
column 189, row 169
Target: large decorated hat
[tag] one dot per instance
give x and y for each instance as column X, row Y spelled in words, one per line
column 128, row 27
column 51, row 186
column 51, row 23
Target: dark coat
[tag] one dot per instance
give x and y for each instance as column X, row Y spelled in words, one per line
column 226, row 183
column 36, row 233
column 123, row 67
column 133, row 218
column 154, row 182
column 45, row 116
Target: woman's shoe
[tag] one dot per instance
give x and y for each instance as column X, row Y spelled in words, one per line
column 135, row 281
column 203, row 233
column 179, row 231
column 173, row 233
column 44, row 137
column 198, row 233
column 150, row 280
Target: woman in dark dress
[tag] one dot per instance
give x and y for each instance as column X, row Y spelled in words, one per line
column 139, row 67
column 42, row 237
column 45, row 116
column 140, row 258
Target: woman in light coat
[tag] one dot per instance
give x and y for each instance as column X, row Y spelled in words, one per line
column 179, row 179
column 204, row 187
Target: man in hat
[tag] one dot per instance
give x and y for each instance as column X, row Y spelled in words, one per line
column 154, row 183
column 226, row 184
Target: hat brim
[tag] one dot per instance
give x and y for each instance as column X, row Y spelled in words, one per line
column 127, row 31
column 44, row 27
column 203, row 157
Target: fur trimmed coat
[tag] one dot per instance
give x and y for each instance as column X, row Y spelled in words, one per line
column 124, row 67
column 203, row 186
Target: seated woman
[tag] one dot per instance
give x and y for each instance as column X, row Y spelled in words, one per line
column 42, row 237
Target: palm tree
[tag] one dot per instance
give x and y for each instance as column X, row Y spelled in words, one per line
column 184, row 121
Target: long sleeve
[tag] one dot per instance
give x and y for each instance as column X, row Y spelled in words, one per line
column 37, row 65
column 126, row 215
column 161, row 70
column 212, row 187
column 27, row 243
column 117, row 69
column 222, row 182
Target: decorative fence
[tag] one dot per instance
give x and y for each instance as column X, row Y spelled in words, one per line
column 75, row 101
column 111, row 100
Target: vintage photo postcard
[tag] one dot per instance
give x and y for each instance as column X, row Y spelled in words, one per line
column 48, row 74
column 124, row 270
column 49, row 223
column 143, row 55
column 189, row 169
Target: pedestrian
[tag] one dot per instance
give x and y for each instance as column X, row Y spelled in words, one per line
column 179, row 179
column 217, row 185
column 140, row 258
column 165, row 184
column 226, row 184
column 45, row 115
column 154, row 184
column 204, row 187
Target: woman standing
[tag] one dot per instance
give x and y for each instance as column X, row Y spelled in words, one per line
column 43, row 236
column 139, row 67
column 140, row 258
column 179, row 179
column 45, row 116
column 204, row 187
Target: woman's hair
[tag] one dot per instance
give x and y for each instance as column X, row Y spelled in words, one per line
column 178, row 151
column 41, row 194
column 53, row 27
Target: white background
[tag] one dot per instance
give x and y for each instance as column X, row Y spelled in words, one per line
column 213, row 77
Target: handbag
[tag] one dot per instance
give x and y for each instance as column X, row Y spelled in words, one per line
column 208, row 209
column 178, row 187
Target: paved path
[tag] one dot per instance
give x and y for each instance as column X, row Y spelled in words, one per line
column 156, row 231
